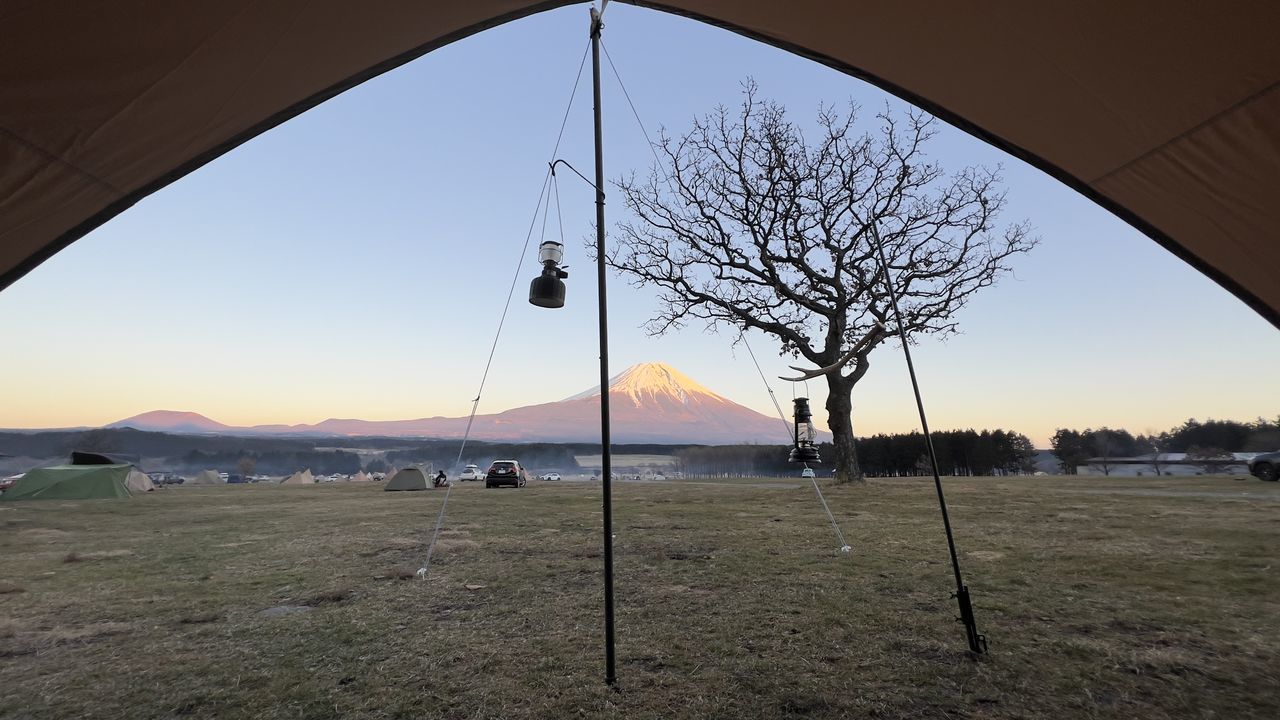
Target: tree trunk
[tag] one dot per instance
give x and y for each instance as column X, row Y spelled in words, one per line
column 840, row 420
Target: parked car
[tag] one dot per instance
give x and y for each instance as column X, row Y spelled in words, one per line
column 808, row 473
column 1266, row 466
column 471, row 472
column 505, row 472
column 549, row 476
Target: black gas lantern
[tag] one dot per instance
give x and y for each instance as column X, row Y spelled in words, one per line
column 547, row 290
column 805, row 450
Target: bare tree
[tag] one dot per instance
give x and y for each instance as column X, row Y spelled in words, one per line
column 1102, row 445
column 1150, row 444
column 747, row 225
column 1209, row 460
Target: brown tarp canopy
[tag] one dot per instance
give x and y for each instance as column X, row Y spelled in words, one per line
column 1166, row 113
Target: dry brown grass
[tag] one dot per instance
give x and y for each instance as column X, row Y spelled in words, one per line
column 1102, row 598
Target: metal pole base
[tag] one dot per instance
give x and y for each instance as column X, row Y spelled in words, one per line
column 977, row 641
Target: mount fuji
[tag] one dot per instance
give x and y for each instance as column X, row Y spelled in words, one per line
column 648, row 403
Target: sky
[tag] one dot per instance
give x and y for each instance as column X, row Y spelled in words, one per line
column 355, row 261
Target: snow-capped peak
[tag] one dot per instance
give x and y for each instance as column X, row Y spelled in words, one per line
column 651, row 380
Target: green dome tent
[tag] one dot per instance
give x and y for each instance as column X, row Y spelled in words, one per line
column 408, row 479
column 79, row 482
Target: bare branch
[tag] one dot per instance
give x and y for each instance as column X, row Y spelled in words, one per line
column 751, row 224
column 869, row 340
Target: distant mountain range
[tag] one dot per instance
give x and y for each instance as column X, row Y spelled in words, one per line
column 649, row 403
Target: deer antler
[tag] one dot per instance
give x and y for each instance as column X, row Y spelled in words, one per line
column 875, row 335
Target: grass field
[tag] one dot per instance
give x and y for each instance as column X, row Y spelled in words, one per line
column 1110, row 598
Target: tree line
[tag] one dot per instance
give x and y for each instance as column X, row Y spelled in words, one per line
column 1209, row 443
column 960, row 452
column 444, row 453
column 273, row 462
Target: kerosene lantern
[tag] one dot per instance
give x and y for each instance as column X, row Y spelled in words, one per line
column 805, row 449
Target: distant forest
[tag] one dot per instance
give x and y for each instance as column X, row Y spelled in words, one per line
column 963, row 452
column 1209, row 440
column 279, row 456
column 960, row 452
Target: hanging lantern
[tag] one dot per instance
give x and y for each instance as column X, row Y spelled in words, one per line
column 547, row 290
column 805, row 449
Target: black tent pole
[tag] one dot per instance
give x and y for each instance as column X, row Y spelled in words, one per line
column 977, row 641
column 606, row 460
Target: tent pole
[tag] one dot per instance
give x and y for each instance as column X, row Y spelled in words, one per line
column 977, row 641
column 606, row 460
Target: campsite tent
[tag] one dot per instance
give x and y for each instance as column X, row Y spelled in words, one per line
column 408, row 479
column 79, row 482
column 361, row 477
column 85, row 457
column 299, row 478
column 206, row 477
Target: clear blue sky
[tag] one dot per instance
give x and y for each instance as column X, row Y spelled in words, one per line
column 354, row 261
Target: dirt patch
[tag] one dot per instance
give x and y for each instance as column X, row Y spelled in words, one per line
column 88, row 632
column 43, row 534
column 687, row 555
column 285, row 610
column 1166, row 662
column 200, row 618
column 404, row 572
column 75, row 557
column 393, row 544
column 104, row 554
column 985, row 555
column 326, row 597
column 682, row 590
column 455, row 544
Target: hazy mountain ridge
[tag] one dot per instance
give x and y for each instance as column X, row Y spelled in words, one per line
column 649, row 402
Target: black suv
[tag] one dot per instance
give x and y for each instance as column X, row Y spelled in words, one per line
column 505, row 472
column 1266, row 466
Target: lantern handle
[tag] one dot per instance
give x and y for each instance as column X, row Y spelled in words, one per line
column 876, row 334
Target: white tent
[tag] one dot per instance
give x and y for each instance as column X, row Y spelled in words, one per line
column 137, row 481
column 205, row 477
column 300, row 478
